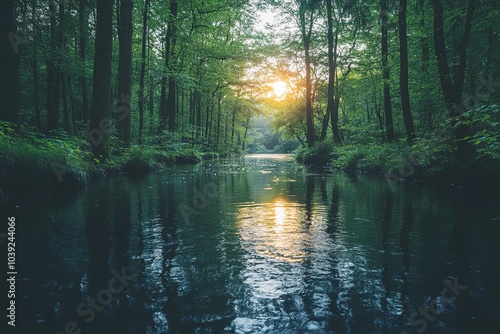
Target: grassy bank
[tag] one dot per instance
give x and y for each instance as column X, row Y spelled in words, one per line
column 426, row 159
column 30, row 163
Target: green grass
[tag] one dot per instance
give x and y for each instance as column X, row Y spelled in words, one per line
column 29, row 161
column 426, row 158
column 37, row 163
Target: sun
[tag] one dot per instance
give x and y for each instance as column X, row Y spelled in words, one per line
column 280, row 88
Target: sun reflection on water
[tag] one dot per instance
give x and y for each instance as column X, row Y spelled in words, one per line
column 273, row 229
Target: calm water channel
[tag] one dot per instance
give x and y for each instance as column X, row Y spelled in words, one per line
column 259, row 244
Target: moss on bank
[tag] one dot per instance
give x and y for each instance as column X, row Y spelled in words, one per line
column 32, row 163
column 426, row 159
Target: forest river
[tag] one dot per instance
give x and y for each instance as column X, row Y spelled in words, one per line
column 259, row 244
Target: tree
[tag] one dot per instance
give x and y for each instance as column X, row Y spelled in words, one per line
column 452, row 85
column 403, row 81
column 332, row 111
column 125, row 71
column 100, row 112
column 82, row 16
column 167, row 102
column 9, row 92
column 143, row 67
column 52, row 74
column 389, row 127
column 171, row 41
column 306, row 10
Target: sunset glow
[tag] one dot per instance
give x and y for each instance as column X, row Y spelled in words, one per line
column 280, row 89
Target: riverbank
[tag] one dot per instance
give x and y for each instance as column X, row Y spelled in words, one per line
column 31, row 163
column 425, row 160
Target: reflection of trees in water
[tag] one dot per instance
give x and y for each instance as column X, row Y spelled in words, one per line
column 122, row 230
column 404, row 243
column 99, row 243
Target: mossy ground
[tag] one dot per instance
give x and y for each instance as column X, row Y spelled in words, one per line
column 32, row 163
column 425, row 159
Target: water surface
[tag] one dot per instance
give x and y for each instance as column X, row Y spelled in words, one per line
column 260, row 244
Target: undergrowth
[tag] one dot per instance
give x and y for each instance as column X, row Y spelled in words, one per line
column 30, row 161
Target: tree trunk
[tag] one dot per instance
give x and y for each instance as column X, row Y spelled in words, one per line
column 9, row 92
column 403, row 51
column 36, row 91
column 219, row 117
column 324, row 126
column 163, row 104
column 100, row 113
column 452, row 91
column 309, row 110
column 198, row 113
column 65, row 104
column 34, row 69
column 425, row 102
column 83, row 50
column 332, row 69
column 171, row 40
column 52, row 76
column 306, row 41
column 233, row 121
column 124, row 72
column 332, row 72
column 385, row 68
column 143, row 68
column 247, row 125
column 72, row 105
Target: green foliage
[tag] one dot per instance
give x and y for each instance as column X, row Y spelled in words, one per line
column 426, row 158
column 319, row 155
column 34, row 161
column 485, row 124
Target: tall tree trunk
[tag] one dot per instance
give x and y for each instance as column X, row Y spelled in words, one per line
column 36, row 91
column 198, row 113
column 151, row 105
column 101, row 100
column 34, row 70
column 385, row 68
column 424, row 43
column 403, row 82
column 425, row 102
column 61, row 80
column 143, row 68
column 306, row 31
column 82, row 15
column 124, row 71
column 65, row 104
column 332, row 70
column 324, row 126
column 52, row 75
column 452, row 90
column 72, row 104
column 233, row 122
column 247, row 125
column 167, row 103
column 219, row 119
column 163, row 103
column 171, row 40
column 9, row 92
column 309, row 107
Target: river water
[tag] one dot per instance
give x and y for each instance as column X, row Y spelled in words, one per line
column 259, row 244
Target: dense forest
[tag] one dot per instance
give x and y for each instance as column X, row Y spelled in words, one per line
column 404, row 88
